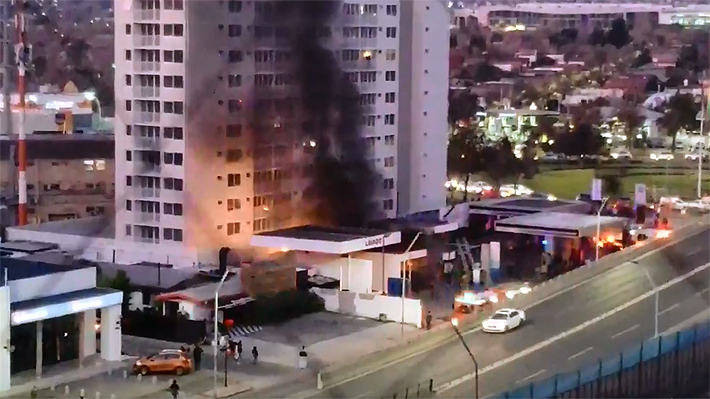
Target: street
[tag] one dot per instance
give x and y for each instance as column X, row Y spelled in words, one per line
column 594, row 320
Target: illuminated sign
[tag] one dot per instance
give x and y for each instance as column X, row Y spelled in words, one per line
column 374, row 242
column 59, row 105
column 65, row 308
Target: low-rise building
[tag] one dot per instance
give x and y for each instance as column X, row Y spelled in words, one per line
column 68, row 176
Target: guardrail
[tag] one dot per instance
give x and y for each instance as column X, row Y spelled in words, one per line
column 424, row 389
column 666, row 366
column 443, row 333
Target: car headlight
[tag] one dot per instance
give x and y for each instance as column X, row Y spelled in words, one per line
column 138, row 363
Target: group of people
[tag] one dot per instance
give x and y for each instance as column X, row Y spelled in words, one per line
column 235, row 348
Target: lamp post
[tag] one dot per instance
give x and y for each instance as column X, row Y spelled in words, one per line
column 599, row 226
column 215, row 342
column 404, row 273
column 455, row 324
column 384, row 282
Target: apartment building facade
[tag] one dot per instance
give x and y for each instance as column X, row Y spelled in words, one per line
column 68, row 176
column 196, row 170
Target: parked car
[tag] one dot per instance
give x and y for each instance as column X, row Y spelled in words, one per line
column 509, row 190
column 166, row 361
column 622, row 154
column 662, row 156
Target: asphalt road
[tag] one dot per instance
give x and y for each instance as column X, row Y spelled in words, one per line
column 537, row 347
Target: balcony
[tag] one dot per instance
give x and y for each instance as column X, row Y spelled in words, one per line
column 360, row 19
column 367, row 86
column 360, row 42
column 146, row 15
column 145, row 117
column 146, row 217
column 146, row 40
column 271, row 42
column 361, row 64
column 147, row 240
column 146, row 192
column 273, row 66
column 273, row 91
column 368, row 109
column 141, row 167
column 145, row 142
column 145, row 92
column 146, row 66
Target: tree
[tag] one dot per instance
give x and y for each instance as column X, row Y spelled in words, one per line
column 681, row 113
column 629, row 115
column 119, row 282
column 618, row 36
column 485, row 72
column 499, row 162
column 464, row 153
column 644, row 58
column 463, row 106
column 582, row 136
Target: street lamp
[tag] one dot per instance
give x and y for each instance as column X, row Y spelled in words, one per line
column 404, row 273
column 215, row 342
column 599, row 225
column 455, row 324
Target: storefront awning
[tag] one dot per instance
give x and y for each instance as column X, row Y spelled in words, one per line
column 64, row 304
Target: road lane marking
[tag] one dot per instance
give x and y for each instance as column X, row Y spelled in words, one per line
column 668, row 309
column 580, row 353
column 698, row 318
column 550, row 341
column 536, row 303
column 531, row 376
column 625, row 331
column 701, row 292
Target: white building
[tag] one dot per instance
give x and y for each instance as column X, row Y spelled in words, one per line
column 67, row 112
column 573, row 15
column 188, row 71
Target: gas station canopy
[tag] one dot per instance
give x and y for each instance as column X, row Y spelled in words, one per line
column 339, row 241
column 560, row 224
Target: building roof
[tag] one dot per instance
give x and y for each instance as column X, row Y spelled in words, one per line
column 204, row 293
column 28, row 247
column 19, row 269
column 61, row 146
column 97, row 226
column 149, row 276
column 558, row 224
column 66, row 297
column 525, row 206
column 325, row 239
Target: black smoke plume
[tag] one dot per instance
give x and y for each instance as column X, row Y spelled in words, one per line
column 342, row 180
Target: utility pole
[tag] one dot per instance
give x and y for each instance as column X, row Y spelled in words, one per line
column 23, row 56
column 703, row 150
column 6, row 70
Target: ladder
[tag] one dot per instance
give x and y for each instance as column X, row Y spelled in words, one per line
column 464, row 251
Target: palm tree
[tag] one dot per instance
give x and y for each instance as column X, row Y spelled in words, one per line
column 632, row 119
column 681, row 113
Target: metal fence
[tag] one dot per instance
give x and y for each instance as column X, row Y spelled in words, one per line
column 424, row 389
column 668, row 366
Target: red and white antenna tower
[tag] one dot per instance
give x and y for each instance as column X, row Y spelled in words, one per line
column 23, row 57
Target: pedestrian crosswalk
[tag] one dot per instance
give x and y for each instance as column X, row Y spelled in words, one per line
column 243, row 331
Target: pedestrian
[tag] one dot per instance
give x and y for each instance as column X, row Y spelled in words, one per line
column 255, row 354
column 302, row 358
column 174, row 389
column 428, row 320
column 233, row 348
column 240, row 349
column 197, row 355
column 33, row 393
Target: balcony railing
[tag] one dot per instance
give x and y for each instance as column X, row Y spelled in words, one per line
column 146, row 40
column 146, row 15
column 146, row 91
column 146, row 217
column 146, row 142
column 360, row 64
column 146, row 66
column 360, row 19
column 147, row 192
column 141, row 167
column 360, row 42
column 145, row 117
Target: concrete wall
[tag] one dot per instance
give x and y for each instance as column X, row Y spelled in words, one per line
column 393, row 268
column 355, row 275
column 194, row 311
column 4, row 338
column 372, row 306
column 52, row 284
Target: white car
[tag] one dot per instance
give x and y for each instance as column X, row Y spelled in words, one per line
column 662, row 156
column 623, row 154
column 504, row 320
column 478, row 187
column 509, row 190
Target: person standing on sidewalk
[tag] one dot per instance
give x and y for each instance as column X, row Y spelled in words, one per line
column 255, row 354
column 240, row 349
column 197, row 355
column 428, row 320
column 174, row 389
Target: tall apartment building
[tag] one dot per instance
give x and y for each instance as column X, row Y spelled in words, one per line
column 191, row 174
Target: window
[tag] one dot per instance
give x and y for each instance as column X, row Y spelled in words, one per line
column 173, row 5
column 234, row 155
column 391, row 55
column 128, row 230
column 129, row 155
column 389, row 97
column 392, row 10
column 233, row 228
column 234, row 6
column 172, row 209
column 234, row 130
column 176, row 56
column 234, row 80
column 388, row 184
column 388, row 205
column 235, row 56
column 128, row 29
column 128, row 80
column 389, row 119
column 172, row 234
column 391, row 32
column 234, row 179
column 261, row 224
column 390, row 76
column 234, row 30
column 173, row 30
column 171, row 183
column 100, row 164
column 129, row 181
column 128, row 55
column 173, row 158
column 389, row 162
column 234, row 204
column 129, row 205
column 173, row 81
column 389, row 140
column 128, row 105
column 173, row 107
column 234, row 105
column 174, row 133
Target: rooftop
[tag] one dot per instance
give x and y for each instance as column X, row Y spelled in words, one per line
column 525, row 205
column 19, row 269
column 98, row 227
column 325, row 239
column 559, row 224
column 28, row 247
